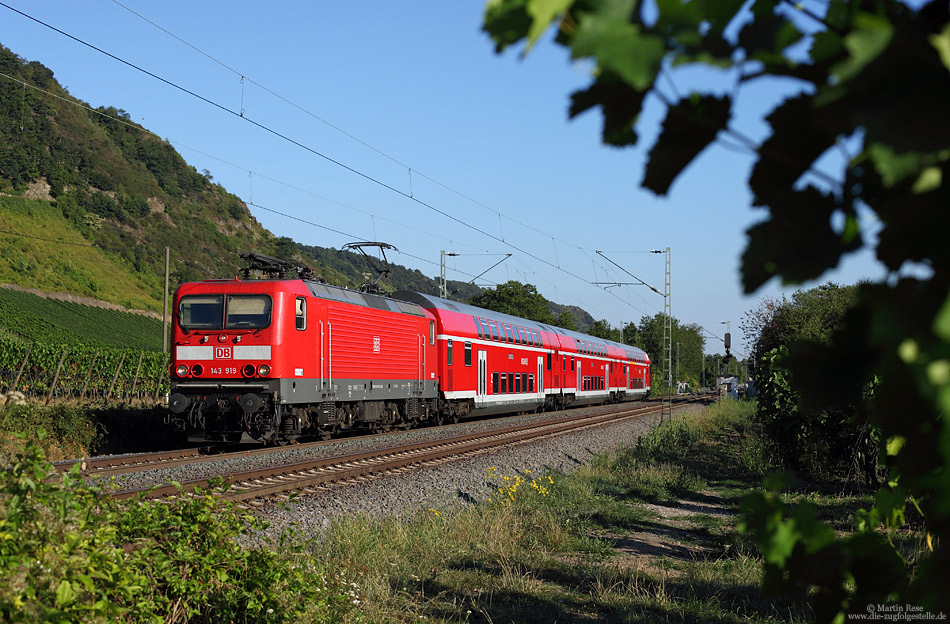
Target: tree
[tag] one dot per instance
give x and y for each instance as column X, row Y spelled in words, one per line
column 690, row 339
column 602, row 329
column 873, row 84
column 516, row 299
column 816, row 441
column 565, row 320
column 631, row 334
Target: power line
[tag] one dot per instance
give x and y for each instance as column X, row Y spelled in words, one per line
column 307, row 148
column 240, row 167
column 306, row 111
column 49, row 240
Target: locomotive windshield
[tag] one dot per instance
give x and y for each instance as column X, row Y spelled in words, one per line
column 210, row 312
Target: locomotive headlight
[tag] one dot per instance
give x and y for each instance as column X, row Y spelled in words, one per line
column 263, row 370
column 248, row 370
column 222, row 337
column 182, row 370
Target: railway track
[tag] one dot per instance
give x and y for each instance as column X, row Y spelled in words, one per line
column 253, row 487
column 103, row 467
column 123, row 464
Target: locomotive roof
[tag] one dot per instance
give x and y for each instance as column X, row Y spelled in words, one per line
column 438, row 303
column 337, row 293
column 322, row 290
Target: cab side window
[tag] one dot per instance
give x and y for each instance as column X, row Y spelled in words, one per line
column 301, row 313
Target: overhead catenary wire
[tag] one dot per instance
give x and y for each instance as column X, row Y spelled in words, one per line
column 307, row 148
column 329, row 124
column 251, row 174
column 49, row 240
column 244, row 77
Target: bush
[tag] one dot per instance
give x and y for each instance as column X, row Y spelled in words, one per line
column 69, row 553
column 71, row 433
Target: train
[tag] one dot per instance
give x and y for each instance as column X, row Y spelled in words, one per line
column 279, row 358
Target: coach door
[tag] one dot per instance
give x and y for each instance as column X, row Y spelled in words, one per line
column 482, row 374
column 541, row 375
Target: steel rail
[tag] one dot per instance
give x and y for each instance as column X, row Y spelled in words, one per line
column 258, row 483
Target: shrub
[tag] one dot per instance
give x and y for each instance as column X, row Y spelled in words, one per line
column 69, row 553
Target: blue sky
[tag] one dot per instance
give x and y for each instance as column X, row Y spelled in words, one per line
column 412, row 97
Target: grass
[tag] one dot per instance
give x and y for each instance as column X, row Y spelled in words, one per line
column 643, row 534
column 29, row 257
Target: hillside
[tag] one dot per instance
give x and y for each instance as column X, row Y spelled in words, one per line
column 97, row 178
column 58, row 322
column 89, row 200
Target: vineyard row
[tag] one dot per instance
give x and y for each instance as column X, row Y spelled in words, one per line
column 80, row 372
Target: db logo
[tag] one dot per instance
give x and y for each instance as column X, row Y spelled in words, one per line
column 376, row 344
column 222, row 353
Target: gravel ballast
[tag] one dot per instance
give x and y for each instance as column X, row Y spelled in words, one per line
column 443, row 487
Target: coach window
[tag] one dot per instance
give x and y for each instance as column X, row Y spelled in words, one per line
column 504, row 383
column 494, row 383
column 564, row 364
column 494, row 330
column 431, row 333
column 517, row 383
column 301, row 313
column 485, row 329
column 530, row 382
column 468, row 354
column 549, row 361
column 508, row 331
column 448, row 352
column 478, row 326
column 572, row 363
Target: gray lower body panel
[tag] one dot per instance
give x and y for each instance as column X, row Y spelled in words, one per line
column 296, row 391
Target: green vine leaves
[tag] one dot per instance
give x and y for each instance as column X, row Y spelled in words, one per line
column 874, row 90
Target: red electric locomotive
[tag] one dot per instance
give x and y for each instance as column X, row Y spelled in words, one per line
column 280, row 358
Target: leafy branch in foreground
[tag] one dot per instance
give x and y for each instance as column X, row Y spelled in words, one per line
column 68, row 553
column 870, row 80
